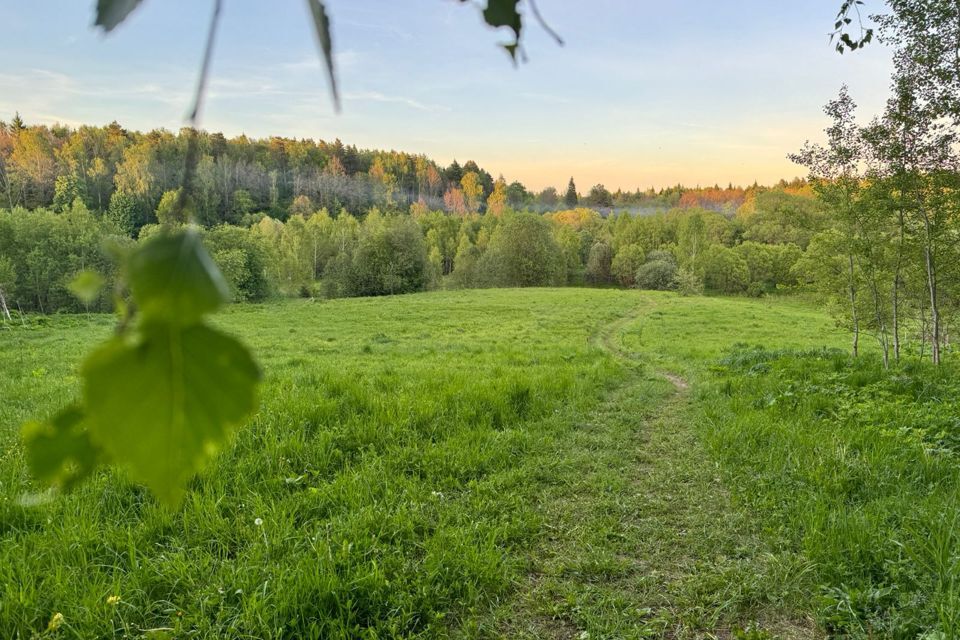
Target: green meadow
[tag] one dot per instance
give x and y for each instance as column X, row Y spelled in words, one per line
column 516, row 463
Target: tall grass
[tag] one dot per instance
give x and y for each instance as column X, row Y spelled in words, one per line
column 855, row 467
column 385, row 489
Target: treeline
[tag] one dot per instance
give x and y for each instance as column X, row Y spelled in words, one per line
column 315, row 253
column 125, row 174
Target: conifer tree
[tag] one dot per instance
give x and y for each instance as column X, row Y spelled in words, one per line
column 570, row 198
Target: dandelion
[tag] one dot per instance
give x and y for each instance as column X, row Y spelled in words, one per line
column 258, row 522
column 55, row 622
column 113, row 600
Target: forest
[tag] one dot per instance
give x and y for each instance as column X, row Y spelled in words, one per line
column 297, row 218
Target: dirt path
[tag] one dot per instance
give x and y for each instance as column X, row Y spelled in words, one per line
column 643, row 540
column 609, row 337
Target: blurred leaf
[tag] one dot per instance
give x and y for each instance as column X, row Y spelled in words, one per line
column 503, row 13
column 164, row 404
column 173, row 279
column 110, row 13
column 321, row 26
column 59, row 452
column 86, row 286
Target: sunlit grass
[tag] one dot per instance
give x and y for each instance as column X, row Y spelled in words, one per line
column 509, row 463
column 385, row 485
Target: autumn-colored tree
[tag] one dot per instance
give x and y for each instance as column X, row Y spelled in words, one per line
column 472, row 191
column 454, row 202
column 32, row 166
column 577, row 218
column 714, row 198
column 302, row 206
column 497, row 202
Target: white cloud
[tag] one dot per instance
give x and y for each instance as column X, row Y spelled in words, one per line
column 376, row 96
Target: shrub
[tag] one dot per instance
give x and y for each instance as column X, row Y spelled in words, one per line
column 724, row 270
column 625, row 264
column 391, row 258
column 660, row 255
column 599, row 264
column 242, row 258
column 688, row 283
column 522, row 253
column 657, row 275
column 756, row 290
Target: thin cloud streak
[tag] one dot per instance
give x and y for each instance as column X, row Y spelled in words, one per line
column 375, row 96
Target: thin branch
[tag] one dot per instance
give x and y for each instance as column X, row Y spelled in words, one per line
column 191, row 157
column 543, row 23
column 205, row 67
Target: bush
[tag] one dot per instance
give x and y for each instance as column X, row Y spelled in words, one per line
column 756, row 290
column 599, row 264
column 625, row 264
column 465, row 263
column 47, row 250
column 522, row 253
column 688, row 283
column 391, row 258
column 770, row 265
column 657, row 275
column 724, row 270
column 242, row 258
column 659, row 255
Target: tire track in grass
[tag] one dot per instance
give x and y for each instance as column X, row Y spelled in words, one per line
column 607, row 339
column 641, row 539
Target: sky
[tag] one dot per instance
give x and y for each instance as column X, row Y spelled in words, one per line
column 643, row 92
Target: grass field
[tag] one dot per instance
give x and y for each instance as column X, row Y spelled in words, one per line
column 504, row 463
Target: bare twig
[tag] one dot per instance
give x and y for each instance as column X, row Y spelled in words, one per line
column 191, row 158
column 205, row 67
column 543, row 23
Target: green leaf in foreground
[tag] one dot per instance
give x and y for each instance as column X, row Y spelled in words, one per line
column 60, row 451
column 163, row 404
column 86, row 286
column 110, row 13
column 174, row 280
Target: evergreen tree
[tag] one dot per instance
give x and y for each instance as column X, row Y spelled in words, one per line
column 571, row 199
column 453, row 173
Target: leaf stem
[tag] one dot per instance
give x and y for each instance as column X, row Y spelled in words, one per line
column 205, row 66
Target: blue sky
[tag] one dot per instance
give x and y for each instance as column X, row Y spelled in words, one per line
column 645, row 93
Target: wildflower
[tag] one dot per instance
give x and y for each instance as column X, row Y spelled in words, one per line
column 55, row 622
column 258, row 521
column 113, row 600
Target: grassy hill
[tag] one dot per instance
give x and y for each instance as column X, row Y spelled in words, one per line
column 497, row 463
